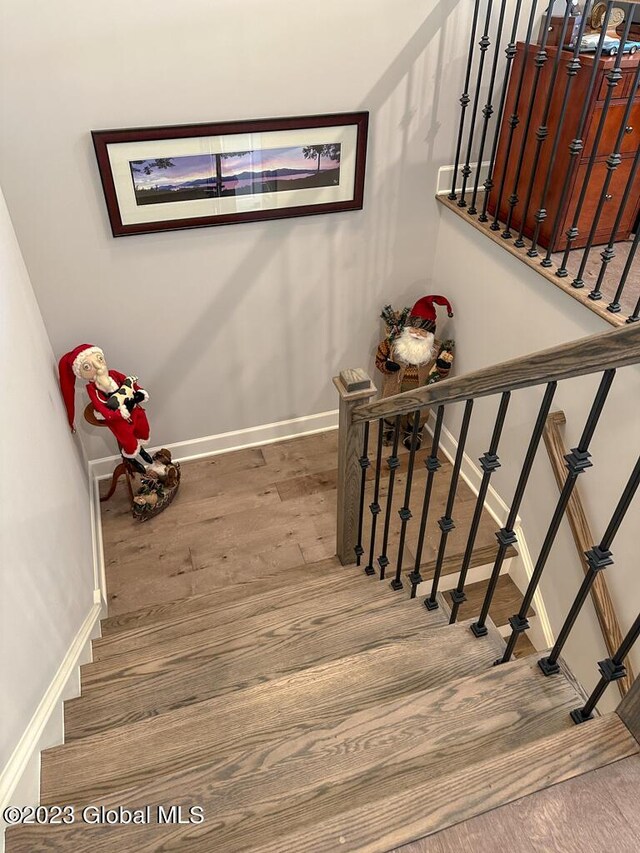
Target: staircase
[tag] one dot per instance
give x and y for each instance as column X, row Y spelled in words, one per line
column 252, row 692
column 297, row 708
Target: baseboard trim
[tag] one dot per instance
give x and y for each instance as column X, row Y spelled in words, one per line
column 521, row 566
column 21, row 775
column 226, row 442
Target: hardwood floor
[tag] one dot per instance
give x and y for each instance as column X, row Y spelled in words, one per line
column 594, row 813
column 303, row 706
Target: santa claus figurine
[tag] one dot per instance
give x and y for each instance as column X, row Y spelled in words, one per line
column 114, row 396
column 411, row 356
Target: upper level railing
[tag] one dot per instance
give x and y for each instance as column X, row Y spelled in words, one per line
column 560, row 124
column 600, row 354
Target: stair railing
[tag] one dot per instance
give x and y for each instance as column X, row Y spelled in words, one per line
column 600, row 354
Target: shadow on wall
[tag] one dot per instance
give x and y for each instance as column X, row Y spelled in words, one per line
column 373, row 261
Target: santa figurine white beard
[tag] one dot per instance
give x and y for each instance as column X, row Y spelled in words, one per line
column 414, row 346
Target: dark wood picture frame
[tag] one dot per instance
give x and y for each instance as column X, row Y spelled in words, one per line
column 128, row 197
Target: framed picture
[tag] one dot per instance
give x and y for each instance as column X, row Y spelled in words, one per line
column 189, row 176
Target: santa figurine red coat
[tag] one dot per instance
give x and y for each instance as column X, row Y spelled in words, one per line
column 114, row 396
column 411, row 356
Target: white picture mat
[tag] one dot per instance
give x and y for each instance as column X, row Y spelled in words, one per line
column 122, row 153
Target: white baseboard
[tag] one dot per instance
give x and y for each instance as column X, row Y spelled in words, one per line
column 521, row 566
column 241, row 439
column 20, row 778
column 445, row 178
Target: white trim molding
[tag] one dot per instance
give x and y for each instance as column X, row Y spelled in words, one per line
column 20, row 778
column 445, row 178
column 226, row 442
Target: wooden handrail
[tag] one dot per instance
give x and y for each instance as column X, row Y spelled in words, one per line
column 583, row 537
column 592, row 354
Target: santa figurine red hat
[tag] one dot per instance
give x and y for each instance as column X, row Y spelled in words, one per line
column 423, row 313
column 113, row 395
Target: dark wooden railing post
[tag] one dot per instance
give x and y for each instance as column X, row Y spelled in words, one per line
column 355, row 388
column 629, row 710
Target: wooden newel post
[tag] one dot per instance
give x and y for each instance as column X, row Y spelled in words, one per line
column 355, row 388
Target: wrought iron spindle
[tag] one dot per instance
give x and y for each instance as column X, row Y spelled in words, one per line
column 446, row 523
column 405, row 512
column 572, row 70
column 506, row 535
column 609, row 253
column 484, row 45
column 540, row 61
column 364, row 464
column 635, row 316
column 392, row 462
column 489, row 462
column 487, row 110
column 514, row 118
column 510, row 52
column 611, row 669
column 613, row 77
column 613, row 161
column 577, row 462
column 598, row 558
column 432, row 464
column 465, row 99
column 374, row 506
column 576, row 145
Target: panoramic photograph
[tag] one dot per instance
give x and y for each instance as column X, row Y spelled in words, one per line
column 200, row 176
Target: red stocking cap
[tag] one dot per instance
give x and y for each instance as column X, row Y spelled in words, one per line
column 68, row 368
column 425, row 310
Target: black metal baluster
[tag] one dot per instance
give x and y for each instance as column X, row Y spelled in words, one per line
column 446, row 524
column 572, row 70
column 465, row 99
column 489, row 463
column 405, row 511
column 577, row 462
column 514, row 118
column 510, row 52
column 609, row 253
column 611, row 669
column 432, row 464
column 506, row 535
column 635, row 316
column 613, row 161
column 392, row 462
column 613, row 77
column 599, row 557
column 487, row 110
column 576, row 145
column 374, row 506
column 484, row 44
column 364, row 464
column 539, row 62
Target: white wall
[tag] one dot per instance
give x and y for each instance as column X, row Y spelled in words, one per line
column 241, row 325
column 46, row 561
column 505, row 310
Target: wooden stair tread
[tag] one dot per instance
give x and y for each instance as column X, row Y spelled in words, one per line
column 217, row 727
column 464, row 794
column 506, row 600
column 178, row 608
column 294, row 787
column 134, row 692
column 341, row 603
column 208, row 612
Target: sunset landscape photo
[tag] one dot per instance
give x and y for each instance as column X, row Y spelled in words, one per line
column 201, row 176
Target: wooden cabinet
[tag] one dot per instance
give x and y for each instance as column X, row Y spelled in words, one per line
column 562, row 162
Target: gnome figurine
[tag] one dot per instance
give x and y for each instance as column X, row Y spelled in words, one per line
column 411, row 356
column 114, row 396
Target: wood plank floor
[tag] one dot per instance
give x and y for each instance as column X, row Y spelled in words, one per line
column 597, row 812
column 242, row 515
